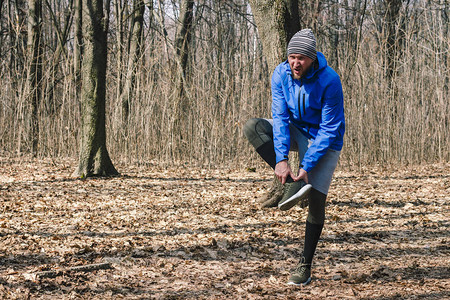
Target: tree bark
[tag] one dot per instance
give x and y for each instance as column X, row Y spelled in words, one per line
column 78, row 47
column 18, row 37
column 33, row 89
column 184, row 33
column 182, row 42
column 94, row 159
column 445, row 54
column 51, row 69
column 134, row 54
column 277, row 21
column 120, row 7
column 393, row 40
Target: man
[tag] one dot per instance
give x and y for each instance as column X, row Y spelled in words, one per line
column 308, row 117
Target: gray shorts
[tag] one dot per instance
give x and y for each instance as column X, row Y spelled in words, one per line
column 320, row 176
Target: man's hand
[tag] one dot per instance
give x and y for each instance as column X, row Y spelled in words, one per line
column 283, row 171
column 302, row 174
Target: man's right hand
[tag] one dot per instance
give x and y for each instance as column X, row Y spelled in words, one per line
column 283, row 171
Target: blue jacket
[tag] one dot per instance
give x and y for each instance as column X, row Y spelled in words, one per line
column 314, row 104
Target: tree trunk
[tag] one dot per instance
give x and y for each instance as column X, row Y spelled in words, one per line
column 120, row 7
column 51, row 69
column 182, row 41
column 445, row 54
column 33, row 89
column 78, row 48
column 184, row 34
column 18, row 37
column 393, row 40
column 94, row 159
column 134, row 53
column 277, row 21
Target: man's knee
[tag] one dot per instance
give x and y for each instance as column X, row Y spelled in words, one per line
column 258, row 131
column 253, row 127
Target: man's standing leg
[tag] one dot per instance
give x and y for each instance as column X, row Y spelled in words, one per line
column 314, row 226
column 320, row 177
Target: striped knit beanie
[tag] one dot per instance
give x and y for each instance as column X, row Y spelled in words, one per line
column 303, row 42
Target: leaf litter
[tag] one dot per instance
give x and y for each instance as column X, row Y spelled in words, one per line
column 191, row 233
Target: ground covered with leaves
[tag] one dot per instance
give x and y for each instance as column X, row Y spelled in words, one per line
column 191, row 233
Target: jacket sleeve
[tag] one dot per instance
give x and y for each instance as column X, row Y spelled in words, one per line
column 331, row 126
column 280, row 114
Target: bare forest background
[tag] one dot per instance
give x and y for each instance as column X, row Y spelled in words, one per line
column 184, row 76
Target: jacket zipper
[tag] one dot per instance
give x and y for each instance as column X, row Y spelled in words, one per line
column 304, row 109
column 299, row 99
column 302, row 105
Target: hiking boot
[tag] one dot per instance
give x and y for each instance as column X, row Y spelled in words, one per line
column 301, row 275
column 294, row 192
column 272, row 202
column 273, row 196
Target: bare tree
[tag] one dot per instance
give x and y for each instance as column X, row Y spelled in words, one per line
column 134, row 54
column 277, row 21
column 121, row 18
column 182, row 42
column 446, row 31
column 33, row 86
column 17, row 36
column 77, row 49
column 94, row 158
column 393, row 34
column 54, row 64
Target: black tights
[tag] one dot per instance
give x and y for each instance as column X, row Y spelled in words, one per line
column 314, row 223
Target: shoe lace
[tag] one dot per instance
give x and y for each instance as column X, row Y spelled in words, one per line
column 297, row 185
column 292, row 186
column 301, row 269
column 289, row 187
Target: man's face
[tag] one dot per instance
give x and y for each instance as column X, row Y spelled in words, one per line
column 299, row 64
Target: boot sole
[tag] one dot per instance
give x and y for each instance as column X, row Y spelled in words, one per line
column 299, row 284
column 294, row 199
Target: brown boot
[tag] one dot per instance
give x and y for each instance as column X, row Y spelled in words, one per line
column 294, row 193
column 273, row 196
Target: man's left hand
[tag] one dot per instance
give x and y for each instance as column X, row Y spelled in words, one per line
column 302, row 174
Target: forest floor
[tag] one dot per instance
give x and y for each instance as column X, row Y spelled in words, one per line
column 191, row 233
